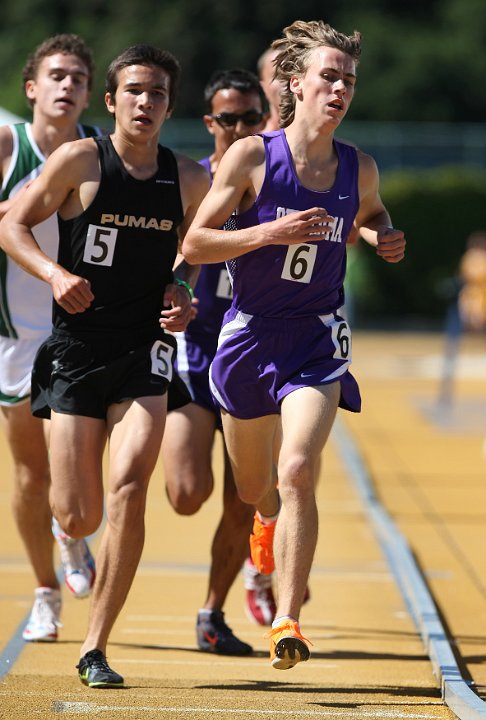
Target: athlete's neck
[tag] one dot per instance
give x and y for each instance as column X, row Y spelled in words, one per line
column 50, row 136
column 139, row 158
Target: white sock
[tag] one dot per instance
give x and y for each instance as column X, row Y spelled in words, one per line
column 281, row 618
column 267, row 519
column 205, row 612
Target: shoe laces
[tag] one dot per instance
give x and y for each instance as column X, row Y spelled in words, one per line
column 291, row 627
column 97, row 661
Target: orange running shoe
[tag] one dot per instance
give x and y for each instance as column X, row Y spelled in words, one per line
column 261, row 546
column 287, row 645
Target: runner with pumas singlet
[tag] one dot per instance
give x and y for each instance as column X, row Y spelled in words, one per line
column 124, row 202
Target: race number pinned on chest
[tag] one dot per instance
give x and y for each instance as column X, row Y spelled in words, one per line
column 161, row 357
column 100, row 245
column 299, row 263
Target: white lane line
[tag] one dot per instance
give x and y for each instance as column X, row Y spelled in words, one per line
column 162, row 618
column 342, row 575
column 210, row 662
column 456, row 693
column 74, row 708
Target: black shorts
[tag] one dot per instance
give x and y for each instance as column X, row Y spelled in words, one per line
column 84, row 376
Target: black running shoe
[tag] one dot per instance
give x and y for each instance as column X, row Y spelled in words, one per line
column 95, row 672
column 213, row 635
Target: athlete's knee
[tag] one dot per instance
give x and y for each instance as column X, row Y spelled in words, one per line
column 131, row 493
column 252, row 494
column 126, row 501
column 185, row 503
column 296, row 475
column 189, row 491
column 78, row 524
column 31, row 480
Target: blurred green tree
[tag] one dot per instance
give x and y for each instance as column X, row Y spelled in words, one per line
column 421, row 61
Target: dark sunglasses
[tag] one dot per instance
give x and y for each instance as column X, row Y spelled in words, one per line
column 228, row 120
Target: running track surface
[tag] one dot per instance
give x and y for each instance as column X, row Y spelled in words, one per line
column 427, row 465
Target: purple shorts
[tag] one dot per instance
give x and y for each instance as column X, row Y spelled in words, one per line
column 260, row 361
column 195, row 352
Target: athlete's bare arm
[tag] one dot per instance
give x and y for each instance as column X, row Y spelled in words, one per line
column 194, row 184
column 372, row 220
column 236, row 184
column 66, row 185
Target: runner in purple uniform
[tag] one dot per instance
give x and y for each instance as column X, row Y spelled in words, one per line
column 234, row 102
column 290, row 198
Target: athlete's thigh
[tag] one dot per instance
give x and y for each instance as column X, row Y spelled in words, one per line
column 76, row 454
column 135, row 429
column 250, row 446
column 19, row 424
column 307, row 418
column 187, row 447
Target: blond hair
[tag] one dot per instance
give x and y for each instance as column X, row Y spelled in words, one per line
column 294, row 49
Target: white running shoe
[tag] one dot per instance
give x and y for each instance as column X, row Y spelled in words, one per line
column 259, row 601
column 77, row 562
column 44, row 618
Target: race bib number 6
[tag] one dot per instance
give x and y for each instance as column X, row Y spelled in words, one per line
column 161, row 357
column 341, row 337
column 299, row 263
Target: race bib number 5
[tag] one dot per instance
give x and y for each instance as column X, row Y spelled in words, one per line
column 100, row 245
column 299, row 263
column 161, row 357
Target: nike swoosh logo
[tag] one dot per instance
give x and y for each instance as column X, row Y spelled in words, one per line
column 343, row 197
column 212, row 639
column 306, row 375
